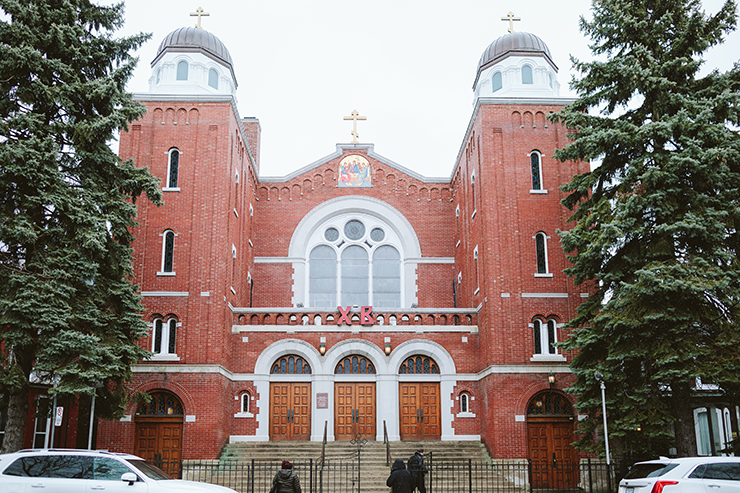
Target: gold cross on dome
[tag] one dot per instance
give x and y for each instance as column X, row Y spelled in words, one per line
column 199, row 13
column 355, row 116
column 510, row 17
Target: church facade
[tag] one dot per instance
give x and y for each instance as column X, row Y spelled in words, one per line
column 353, row 296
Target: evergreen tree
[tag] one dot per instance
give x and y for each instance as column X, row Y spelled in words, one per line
column 69, row 312
column 656, row 223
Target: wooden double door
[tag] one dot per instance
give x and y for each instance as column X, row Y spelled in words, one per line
column 354, row 410
column 290, row 413
column 419, row 411
column 159, row 441
column 554, row 464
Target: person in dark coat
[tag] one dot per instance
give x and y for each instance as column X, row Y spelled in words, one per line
column 418, row 470
column 286, row 479
column 400, row 479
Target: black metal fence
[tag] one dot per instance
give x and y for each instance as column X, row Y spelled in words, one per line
column 343, row 475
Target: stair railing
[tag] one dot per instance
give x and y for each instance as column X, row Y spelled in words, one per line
column 387, row 445
column 320, row 462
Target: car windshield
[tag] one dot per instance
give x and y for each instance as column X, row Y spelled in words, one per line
column 149, row 470
column 649, row 470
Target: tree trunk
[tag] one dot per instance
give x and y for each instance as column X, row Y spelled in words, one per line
column 684, row 414
column 15, row 425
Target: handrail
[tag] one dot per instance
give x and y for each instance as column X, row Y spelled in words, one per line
column 387, row 445
column 320, row 463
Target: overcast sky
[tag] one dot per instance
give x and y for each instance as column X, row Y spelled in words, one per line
column 407, row 65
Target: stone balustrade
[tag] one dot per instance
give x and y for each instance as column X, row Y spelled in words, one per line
column 306, row 317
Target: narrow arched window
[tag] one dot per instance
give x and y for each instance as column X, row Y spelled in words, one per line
column 182, row 70
column 355, row 269
column 386, row 277
column 164, row 336
column 545, row 336
column 464, row 403
column 497, row 82
column 171, row 336
column 540, row 241
column 551, row 336
column 173, row 168
column 536, row 165
column 213, row 78
column 168, row 251
column 159, row 75
column 322, row 277
column 245, row 402
column 527, row 75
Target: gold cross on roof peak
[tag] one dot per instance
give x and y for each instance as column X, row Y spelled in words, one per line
column 355, row 116
column 199, row 13
column 510, row 17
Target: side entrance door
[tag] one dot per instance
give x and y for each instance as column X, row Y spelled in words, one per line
column 550, row 434
column 158, row 432
column 419, row 411
column 354, row 410
column 290, row 413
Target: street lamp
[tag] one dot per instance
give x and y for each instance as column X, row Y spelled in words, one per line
column 600, row 378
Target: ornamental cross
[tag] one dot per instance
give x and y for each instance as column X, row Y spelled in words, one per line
column 355, row 116
column 199, row 13
column 510, row 17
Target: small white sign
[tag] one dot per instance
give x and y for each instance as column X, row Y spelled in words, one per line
column 58, row 416
column 520, row 418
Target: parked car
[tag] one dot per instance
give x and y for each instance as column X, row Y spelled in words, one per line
column 66, row 471
column 684, row 475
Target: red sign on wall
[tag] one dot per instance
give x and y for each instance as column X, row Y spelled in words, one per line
column 366, row 315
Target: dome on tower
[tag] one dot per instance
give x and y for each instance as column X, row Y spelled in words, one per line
column 516, row 65
column 193, row 39
column 190, row 60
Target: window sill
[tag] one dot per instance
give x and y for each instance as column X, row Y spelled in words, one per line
column 164, row 357
column 170, row 189
column 547, row 357
column 543, row 275
column 466, row 415
column 165, row 274
column 244, row 415
column 543, row 192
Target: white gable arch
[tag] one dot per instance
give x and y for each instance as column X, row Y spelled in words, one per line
column 356, row 346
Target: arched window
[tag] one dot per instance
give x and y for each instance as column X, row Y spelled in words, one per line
column 497, row 82
column 386, row 277
column 419, row 364
column 161, row 404
column 549, row 403
column 527, row 75
column 355, row 270
column 464, row 402
column 322, row 268
column 540, row 242
column 173, row 167
column 535, row 160
column 354, row 365
column 168, row 251
column 291, row 364
column 213, row 78
column 164, row 336
column 182, row 70
column 159, row 75
column 544, row 336
column 244, row 408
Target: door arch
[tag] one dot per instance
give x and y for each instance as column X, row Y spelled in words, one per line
column 290, row 401
column 158, row 431
column 550, row 422
column 419, row 400
column 354, row 408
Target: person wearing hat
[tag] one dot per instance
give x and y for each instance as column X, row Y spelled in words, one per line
column 286, row 480
column 418, row 470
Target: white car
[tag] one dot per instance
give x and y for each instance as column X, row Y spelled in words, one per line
column 684, row 475
column 90, row 471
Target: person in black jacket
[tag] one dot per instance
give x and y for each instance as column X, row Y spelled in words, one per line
column 400, row 478
column 418, row 470
column 286, row 479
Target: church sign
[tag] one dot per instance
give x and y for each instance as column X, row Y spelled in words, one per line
column 366, row 315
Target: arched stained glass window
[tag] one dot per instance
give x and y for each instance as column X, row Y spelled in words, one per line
column 549, row 403
column 164, row 336
column 536, row 164
column 540, row 241
column 545, row 336
column 355, row 365
column 161, row 404
column 168, row 251
column 291, row 364
column 322, row 277
column 173, row 168
column 420, row 365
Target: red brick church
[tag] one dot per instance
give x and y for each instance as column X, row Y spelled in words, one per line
column 353, row 294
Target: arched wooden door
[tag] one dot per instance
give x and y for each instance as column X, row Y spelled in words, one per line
column 550, row 423
column 290, row 401
column 419, row 401
column 354, row 401
column 158, row 431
